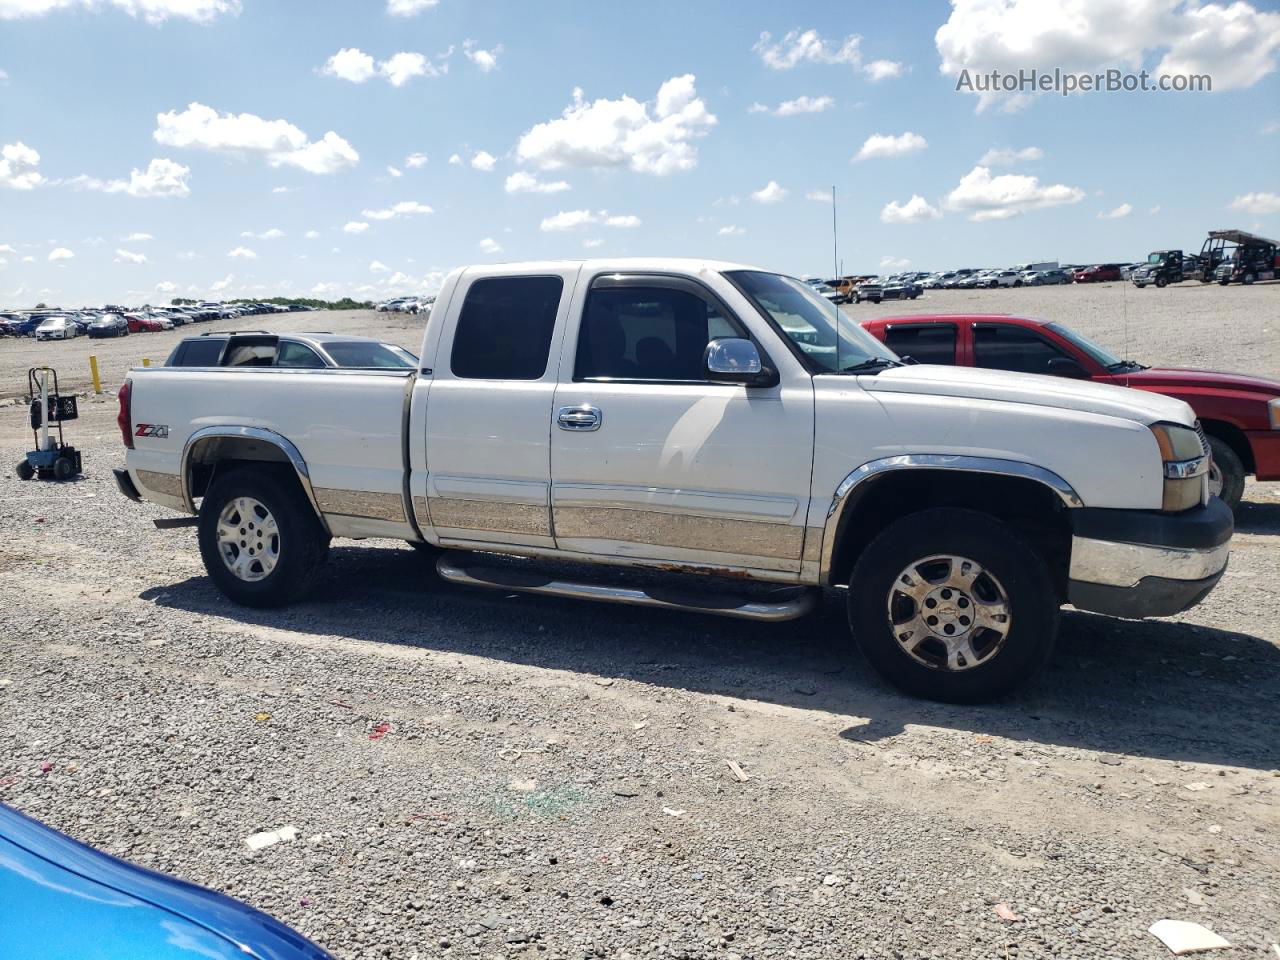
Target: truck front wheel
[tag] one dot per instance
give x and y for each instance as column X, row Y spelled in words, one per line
column 952, row 604
column 260, row 540
column 1226, row 473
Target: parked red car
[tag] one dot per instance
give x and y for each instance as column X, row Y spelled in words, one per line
column 1240, row 414
column 1097, row 273
column 143, row 324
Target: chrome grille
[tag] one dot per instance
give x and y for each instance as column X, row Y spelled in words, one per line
column 1204, row 441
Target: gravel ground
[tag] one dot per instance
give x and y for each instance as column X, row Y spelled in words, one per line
column 476, row 774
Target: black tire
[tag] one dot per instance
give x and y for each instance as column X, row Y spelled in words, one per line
column 1249, row 278
column 1032, row 604
column 1161, row 282
column 63, row 469
column 1227, row 465
column 24, row 470
column 301, row 544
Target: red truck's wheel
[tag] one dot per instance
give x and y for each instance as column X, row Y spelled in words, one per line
column 953, row 605
column 259, row 537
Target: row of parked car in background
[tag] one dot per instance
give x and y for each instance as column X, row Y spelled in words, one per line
column 116, row 321
column 406, row 305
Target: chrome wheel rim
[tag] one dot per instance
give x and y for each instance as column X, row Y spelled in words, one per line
column 248, row 539
column 949, row 613
column 1215, row 480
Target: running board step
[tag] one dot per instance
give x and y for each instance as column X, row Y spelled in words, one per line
column 772, row 605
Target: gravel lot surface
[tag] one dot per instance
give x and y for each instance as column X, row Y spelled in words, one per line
column 475, row 774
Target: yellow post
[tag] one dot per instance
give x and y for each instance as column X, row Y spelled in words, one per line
column 146, row 362
column 93, row 371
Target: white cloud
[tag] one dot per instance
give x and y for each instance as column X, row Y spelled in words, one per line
column 283, row 189
column 278, row 141
column 18, row 164
column 1257, row 203
column 1119, row 213
column 771, row 192
column 275, row 233
column 878, row 70
column 223, row 283
column 819, row 196
column 486, row 60
column 1271, row 126
column 126, row 256
column 807, row 47
column 415, row 160
column 482, row 160
column 522, row 182
column 188, row 255
column 60, row 253
column 325, row 289
column 1004, row 156
column 984, row 197
column 243, row 253
column 377, row 266
column 162, row 178
column 166, row 286
column 137, row 237
column 1154, row 210
column 408, row 8
column 894, row 263
column 913, row 211
column 404, row 208
column 1236, row 44
column 7, row 248
column 393, row 171
column 652, row 138
column 351, row 64
column 757, row 107
column 790, row 108
column 354, row 226
column 455, row 160
column 887, row 145
column 490, row 245
column 573, row 219
column 152, row 11
column 730, row 231
column 314, row 234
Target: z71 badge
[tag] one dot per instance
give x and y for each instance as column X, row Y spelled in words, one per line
column 158, row 430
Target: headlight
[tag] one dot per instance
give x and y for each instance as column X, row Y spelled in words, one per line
column 1273, row 408
column 1186, row 466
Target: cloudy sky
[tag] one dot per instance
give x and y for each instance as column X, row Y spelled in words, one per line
column 213, row 148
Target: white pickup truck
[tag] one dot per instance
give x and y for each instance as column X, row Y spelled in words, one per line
column 609, row 429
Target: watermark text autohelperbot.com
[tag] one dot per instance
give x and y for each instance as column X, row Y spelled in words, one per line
column 1065, row 83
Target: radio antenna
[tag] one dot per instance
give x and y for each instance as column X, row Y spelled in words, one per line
column 835, row 244
column 1124, row 298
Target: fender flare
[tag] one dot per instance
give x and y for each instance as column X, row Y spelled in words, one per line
column 260, row 434
column 930, row 461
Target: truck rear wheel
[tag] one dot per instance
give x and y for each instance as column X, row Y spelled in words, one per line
column 952, row 605
column 260, row 540
column 1226, row 473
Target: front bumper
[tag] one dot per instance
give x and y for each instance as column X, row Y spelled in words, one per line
column 1266, row 453
column 1144, row 563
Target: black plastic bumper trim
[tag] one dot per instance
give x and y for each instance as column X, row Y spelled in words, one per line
column 124, row 483
column 1200, row 528
column 1150, row 597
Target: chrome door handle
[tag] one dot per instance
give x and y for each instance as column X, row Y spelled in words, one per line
column 582, row 417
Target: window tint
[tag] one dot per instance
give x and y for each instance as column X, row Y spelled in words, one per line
column 297, row 355
column 646, row 333
column 924, row 343
column 201, row 353
column 1012, row 348
column 504, row 332
column 250, row 352
column 357, row 353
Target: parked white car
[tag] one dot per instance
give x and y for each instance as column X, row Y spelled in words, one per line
column 57, row 328
column 697, row 417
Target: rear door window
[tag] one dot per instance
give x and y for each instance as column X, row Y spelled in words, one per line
column 923, row 342
column 200, row 353
column 504, row 330
column 297, row 355
column 250, row 352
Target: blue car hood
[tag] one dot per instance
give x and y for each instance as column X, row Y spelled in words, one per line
column 60, row 898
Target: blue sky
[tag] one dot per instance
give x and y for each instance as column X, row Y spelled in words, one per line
column 258, row 157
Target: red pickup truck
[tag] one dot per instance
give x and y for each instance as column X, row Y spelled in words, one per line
column 1240, row 414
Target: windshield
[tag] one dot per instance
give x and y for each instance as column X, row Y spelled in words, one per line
column 810, row 321
column 360, row 354
column 1104, row 358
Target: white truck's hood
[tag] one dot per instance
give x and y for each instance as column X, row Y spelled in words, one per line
column 1045, row 391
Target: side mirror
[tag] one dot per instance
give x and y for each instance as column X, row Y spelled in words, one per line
column 1066, row 367
column 736, row 360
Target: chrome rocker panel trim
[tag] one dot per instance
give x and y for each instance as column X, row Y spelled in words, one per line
column 931, row 461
